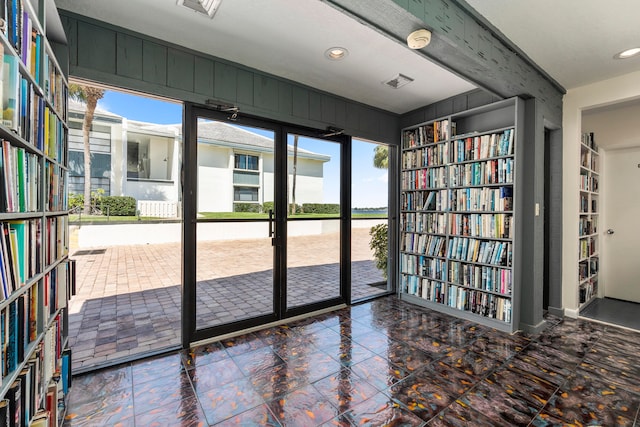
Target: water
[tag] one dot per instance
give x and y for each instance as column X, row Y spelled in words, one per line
column 380, row 212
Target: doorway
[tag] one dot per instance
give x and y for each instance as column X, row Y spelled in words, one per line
column 622, row 207
column 266, row 223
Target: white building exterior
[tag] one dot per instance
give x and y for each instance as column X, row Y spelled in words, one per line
column 142, row 160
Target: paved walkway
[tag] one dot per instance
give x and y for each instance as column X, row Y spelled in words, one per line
column 128, row 297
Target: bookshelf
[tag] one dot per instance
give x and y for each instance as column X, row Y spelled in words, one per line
column 459, row 210
column 588, row 256
column 35, row 271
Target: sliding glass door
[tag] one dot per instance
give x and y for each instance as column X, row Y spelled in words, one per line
column 264, row 223
column 313, row 220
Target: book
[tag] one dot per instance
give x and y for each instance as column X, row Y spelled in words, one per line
column 51, row 404
column 4, row 412
column 20, row 248
column 11, row 92
column 15, row 405
column 66, row 370
column 4, row 338
column 41, row 419
column 25, row 395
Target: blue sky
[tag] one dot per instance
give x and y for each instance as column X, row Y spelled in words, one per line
column 369, row 185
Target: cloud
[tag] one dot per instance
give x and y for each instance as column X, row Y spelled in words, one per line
column 384, row 177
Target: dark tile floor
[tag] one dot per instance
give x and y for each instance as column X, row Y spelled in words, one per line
column 129, row 297
column 385, row 362
column 615, row 311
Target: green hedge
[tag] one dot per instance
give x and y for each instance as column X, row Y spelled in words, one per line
column 246, row 207
column 266, row 206
column 76, row 201
column 320, row 208
column 118, row 205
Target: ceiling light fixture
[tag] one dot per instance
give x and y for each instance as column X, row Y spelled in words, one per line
column 336, row 53
column 419, row 39
column 206, row 7
column 627, row 53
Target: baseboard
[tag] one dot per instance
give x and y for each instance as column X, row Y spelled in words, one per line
column 555, row 311
column 571, row 313
column 266, row 325
column 533, row 329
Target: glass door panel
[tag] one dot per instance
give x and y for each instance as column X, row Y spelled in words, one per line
column 234, row 255
column 369, row 219
column 313, row 220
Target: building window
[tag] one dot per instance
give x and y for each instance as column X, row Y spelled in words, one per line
column 149, row 157
column 245, row 194
column 246, row 162
column 138, row 159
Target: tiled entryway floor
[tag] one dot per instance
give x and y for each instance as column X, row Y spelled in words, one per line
column 385, row 362
column 129, row 297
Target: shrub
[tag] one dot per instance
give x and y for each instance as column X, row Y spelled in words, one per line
column 118, row 205
column 267, row 206
column 321, row 208
column 246, row 207
column 76, row 201
column 298, row 208
column 380, row 245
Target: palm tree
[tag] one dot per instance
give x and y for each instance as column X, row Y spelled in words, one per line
column 295, row 172
column 381, row 157
column 90, row 96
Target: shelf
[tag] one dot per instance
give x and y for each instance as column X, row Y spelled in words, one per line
column 479, row 170
column 587, row 220
column 418, row 147
column 36, row 135
column 587, row 302
column 474, row 134
column 448, row 282
column 497, row 239
column 484, row 212
column 503, row 184
column 487, row 321
column 586, row 236
column 424, row 255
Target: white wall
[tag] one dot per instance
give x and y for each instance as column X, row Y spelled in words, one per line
column 101, row 235
column 215, row 179
column 118, row 159
column 153, row 190
column 616, row 128
column 309, row 181
column 576, row 101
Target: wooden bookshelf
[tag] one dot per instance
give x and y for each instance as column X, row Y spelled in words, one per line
column 588, row 244
column 459, row 202
column 35, row 274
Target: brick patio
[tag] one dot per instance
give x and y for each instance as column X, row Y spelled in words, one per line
column 128, row 297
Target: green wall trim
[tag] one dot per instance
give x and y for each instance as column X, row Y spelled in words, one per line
column 115, row 56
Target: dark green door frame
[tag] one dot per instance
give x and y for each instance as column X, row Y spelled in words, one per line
column 190, row 332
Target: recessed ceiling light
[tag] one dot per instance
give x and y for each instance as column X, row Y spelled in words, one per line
column 628, row 53
column 336, row 53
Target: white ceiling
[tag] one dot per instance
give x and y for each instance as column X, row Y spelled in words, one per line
column 288, row 38
column 574, row 41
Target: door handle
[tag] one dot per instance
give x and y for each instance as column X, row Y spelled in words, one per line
column 610, row 231
column 270, row 222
